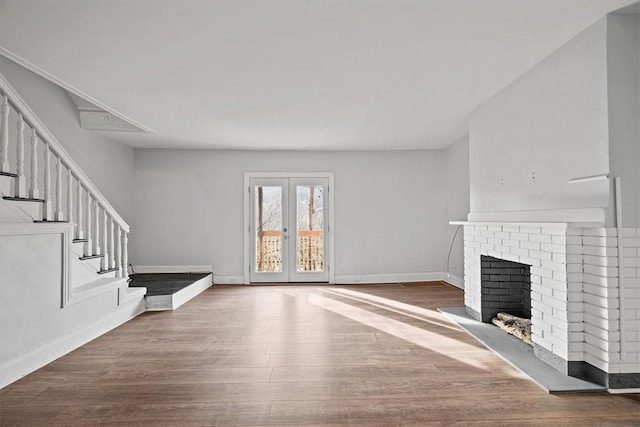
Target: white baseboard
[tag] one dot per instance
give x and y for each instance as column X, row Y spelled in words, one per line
column 172, row 268
column 456, row 281
column 220, row 279
column 390, row 277
column 25, row 363
column 623, row 390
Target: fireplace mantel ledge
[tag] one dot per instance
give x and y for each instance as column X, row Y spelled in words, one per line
column 560, row 225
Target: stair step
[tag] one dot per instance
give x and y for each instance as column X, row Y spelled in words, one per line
column 110, row 270
column 80, row 240
column 23, row 199
column 82, row 258
column 12, row 175
column 48, row 221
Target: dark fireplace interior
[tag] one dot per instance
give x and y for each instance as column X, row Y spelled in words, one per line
column 506, row 287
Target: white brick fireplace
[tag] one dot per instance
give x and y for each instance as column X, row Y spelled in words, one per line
column 576, row 297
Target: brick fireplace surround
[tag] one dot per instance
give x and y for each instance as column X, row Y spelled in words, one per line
column 575, row 294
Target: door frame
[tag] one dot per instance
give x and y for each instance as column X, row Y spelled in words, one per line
column 247, row 217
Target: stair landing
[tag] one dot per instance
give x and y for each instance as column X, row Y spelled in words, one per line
column 168, row 291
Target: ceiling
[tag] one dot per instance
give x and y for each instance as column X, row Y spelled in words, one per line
column 290, row 75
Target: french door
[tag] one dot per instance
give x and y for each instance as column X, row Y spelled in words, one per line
column 288, row 229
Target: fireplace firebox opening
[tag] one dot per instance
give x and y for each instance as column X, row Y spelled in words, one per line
column 505, row 287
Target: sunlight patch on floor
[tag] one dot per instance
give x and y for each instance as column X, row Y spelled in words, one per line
column 427, row 339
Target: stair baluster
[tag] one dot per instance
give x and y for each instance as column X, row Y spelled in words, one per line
column 59, row 215
column 96, row 235
column 34, row 192
column 4, row 136
column 69, row 196
column 118, row 251
column 88, row 246
column 125, row 255
column 79, row 225
column 112, row 245
column 105, row 242
column 20, row 180
column 47, row 214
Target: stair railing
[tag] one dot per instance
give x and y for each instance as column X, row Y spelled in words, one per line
column 95, row 221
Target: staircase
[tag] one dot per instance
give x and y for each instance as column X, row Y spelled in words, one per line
column 43, row 186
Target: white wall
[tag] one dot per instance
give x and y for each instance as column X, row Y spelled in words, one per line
column 457, row 202
column 389, row 207
column 107, row 163
column 547, row 127
column 623, row 55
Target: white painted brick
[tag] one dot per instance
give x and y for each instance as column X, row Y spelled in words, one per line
column 519, row 236
column 558, row 316
column 610, row 324
column 600, row 241
column 542, row 272
column 501, row 235
column 600, row 271
column 494, row 227
column 553, row 266
column 574, row 240
column 599, row 251
column 540, row 255
column 598, row 261
column 574, row 268
column 598, row 232
column 575, row 296
column 559, row 257
column 520, row 252
column 530, row 230
column 602, row 312
column 631, row 242
column 576, row 327
column 575, row 347
column 487, row 247
column 596, row 280
column 575, row 277
column 542, row 238
column 494, row 241
column 487, row 234
column 628, row 272
column 576, row 356
column 575, row 317
column 511, row 228
column 630, row 232
column 554, row 303
column 631, row 262
column 595, row 300
column 511, row 243
column 600, row 344
column 596, row 352
column 559, row 240
column 530, row 245
column 503, row 249
column 559, row 295
column 554, row 284
column 559, row 275
column 574, row 231
column 549, row 247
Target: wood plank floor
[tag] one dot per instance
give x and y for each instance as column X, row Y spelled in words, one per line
column 378, row 355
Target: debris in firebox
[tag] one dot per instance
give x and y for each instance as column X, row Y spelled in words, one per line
column 514, row 325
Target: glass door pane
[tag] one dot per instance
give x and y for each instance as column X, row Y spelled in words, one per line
column 307, row 247
column 309, row 228
column 268, row 229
